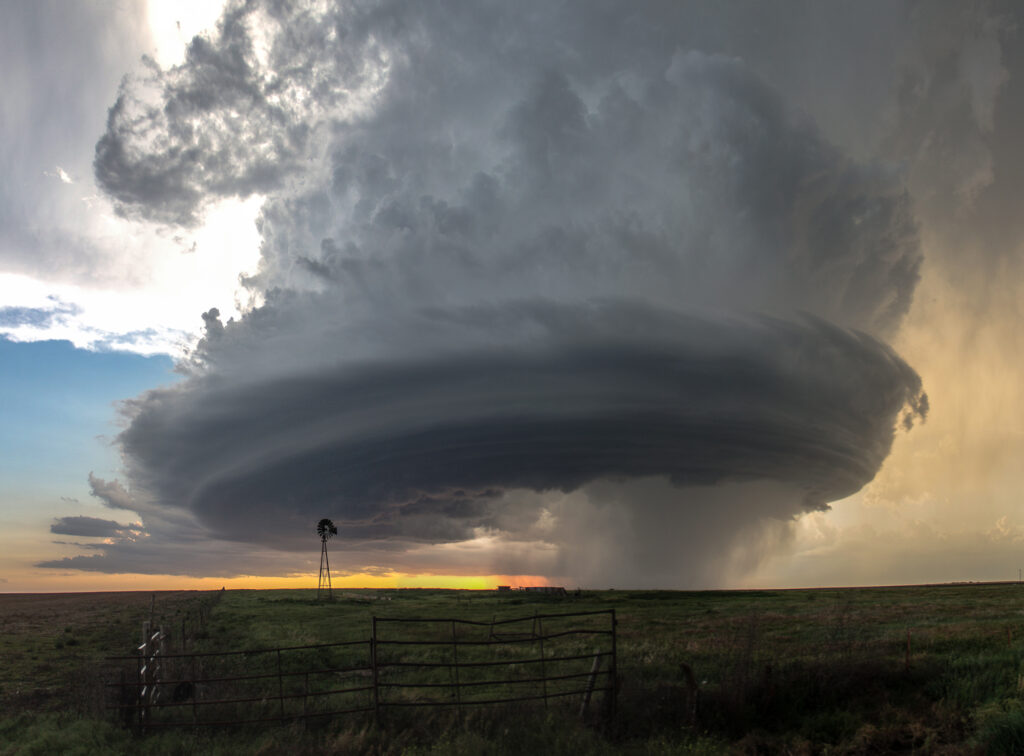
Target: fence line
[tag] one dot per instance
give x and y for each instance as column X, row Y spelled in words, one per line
column 247, row 652
column 558, row 653
column 217, row 683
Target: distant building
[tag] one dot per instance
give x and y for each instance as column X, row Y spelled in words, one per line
column 556, row 589
column 504, row 588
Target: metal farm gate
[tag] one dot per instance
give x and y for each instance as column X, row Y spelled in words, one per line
column 546, row 659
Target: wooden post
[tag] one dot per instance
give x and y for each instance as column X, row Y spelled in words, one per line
column 590, row 684
column 280, row 685
column 195, row 693
column 373, row 664
column 158, row 670
column 614, row 669
column 144, row 675
column 907, row 659
column 543, row 664
column 138, row 687
column 455, row 659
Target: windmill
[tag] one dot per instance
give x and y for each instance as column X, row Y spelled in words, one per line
column 325, row 529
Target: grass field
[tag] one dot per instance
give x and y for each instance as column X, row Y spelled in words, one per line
column 849, row 671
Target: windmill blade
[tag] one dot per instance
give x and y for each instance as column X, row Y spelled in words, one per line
column 325, row 529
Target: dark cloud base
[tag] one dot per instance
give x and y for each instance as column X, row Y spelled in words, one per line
column 803, row 403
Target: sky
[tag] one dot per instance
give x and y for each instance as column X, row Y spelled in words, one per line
column 587, row 293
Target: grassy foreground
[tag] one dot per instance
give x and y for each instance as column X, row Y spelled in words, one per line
column 854, row 671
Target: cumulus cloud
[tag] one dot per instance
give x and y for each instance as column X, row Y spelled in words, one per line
column 13, row 319
column 691, row 164
column 58, row 60
column 111, row 493
column 229, row 121
column 530, row 280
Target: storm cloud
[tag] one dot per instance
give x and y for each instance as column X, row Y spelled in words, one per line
column 535, row 274
column 420, row 449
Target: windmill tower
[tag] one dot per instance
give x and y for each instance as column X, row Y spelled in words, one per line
column 325, row 529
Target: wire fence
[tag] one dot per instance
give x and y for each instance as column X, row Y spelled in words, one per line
column 455, row 662
column 547, row 660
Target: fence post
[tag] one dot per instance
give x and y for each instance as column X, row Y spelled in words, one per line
column 373, row 664
column 137, row 713
column 543, row 664
column 585, row 704
column 158, row 668
column 455, row 659
column 907, row 658
column 614, row 668
column 144, row 675
column 195, row 693
column 280, row 685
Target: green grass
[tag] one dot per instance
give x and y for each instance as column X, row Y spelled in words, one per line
column 824, row 671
